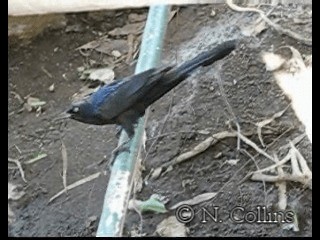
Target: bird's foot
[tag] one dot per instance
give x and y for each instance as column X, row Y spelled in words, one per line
column 116, row 151
column 118, row 131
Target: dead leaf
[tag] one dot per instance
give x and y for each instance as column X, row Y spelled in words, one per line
column 51, row 88
column 131, row 28
column 295, row 79
column 37, row 158
column 233, row 162
column 153, row 204
column 272, row 61
column 196, row 200
column 105, row 75
column 156, row 173
column 292, row 226
column 33, row 103
column 171, row 227
column 12, row 193
column 84, row 92
column 114, row 45
column 204, row 132
column 172, row 15
column 116, row 53
column 27, row 107
column 134, row 17
column 93, row 44
column 74, row 28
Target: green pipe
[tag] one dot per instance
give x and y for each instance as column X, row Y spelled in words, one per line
column 122, row 172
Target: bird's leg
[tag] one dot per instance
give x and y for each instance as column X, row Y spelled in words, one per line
column 127, row 124
column 122, row 147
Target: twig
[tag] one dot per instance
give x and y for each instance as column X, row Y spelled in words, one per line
column 36, row 159
column 253, row 145
column 246, row 164
column 130, row 40
column 272, row 24
column 76, row 184
column 302, row 162
column 295, row 141
column 17, row 96
column 46, row 72
column 303, row 176
column 270, row 178
column 261, row 124
column 283, row 161
column 282, row 186
column 19, row 167
column 249, row 175
column 17, row 148
column 64, row 164
column 201, row 147
column 170, row 133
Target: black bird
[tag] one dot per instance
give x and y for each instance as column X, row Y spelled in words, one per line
column 124, row 101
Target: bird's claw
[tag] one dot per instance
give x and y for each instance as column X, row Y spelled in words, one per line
column 121, row 148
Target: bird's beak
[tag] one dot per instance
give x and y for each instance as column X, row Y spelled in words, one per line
column 63, row 115
column 68, row 111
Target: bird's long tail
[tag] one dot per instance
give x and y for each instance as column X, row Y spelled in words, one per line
column 204, row 59
column 175, row 75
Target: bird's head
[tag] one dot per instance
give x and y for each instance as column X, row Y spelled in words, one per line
column 82, row 111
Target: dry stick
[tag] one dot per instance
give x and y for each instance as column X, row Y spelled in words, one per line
column 302, row 162
column 272, row 24
column 201, row 147
column 130, row 40
column 46, row 72
column 270, row 178
column 283, row 161
column 17, row 96
column 244, row 165
column 282, row 186
column 76, row 184
column 19, row 167
column 170, row 133
column 17, row 148
column 257, row 166
column 295, row 141
column 267, row 121
column 253, row 145
column 294, row 163
column 268, row 146
column 297, row 175
column 64, row 164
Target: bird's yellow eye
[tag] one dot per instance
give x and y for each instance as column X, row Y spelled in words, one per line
column 75, row 109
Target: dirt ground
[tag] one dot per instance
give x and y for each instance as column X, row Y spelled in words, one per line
column 181, row 120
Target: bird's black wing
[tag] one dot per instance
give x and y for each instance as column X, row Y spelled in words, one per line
column 129, row 92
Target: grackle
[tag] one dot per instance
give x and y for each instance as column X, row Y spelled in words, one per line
column 124, row 101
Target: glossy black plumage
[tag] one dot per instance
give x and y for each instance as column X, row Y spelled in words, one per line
column 124, row 101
